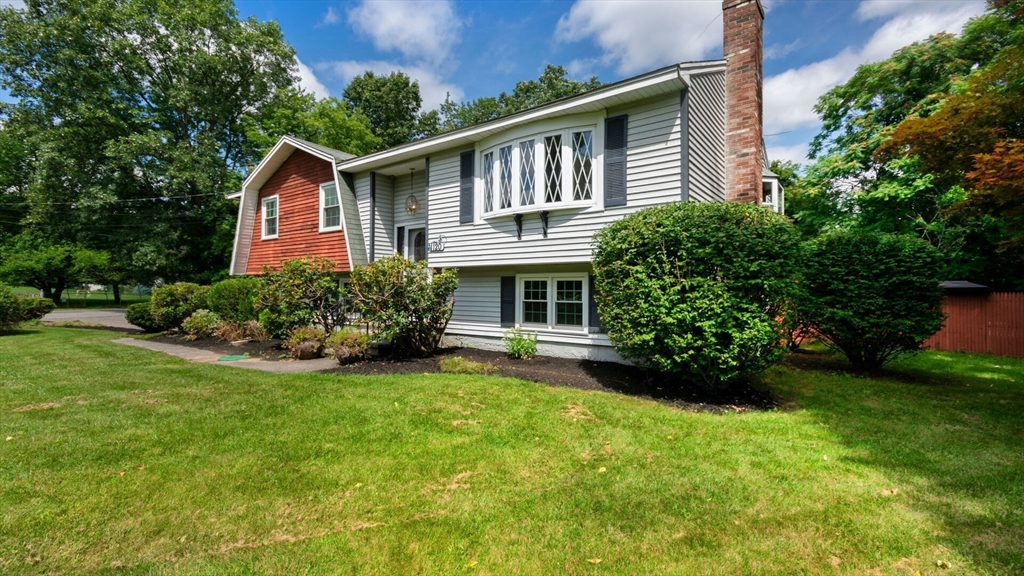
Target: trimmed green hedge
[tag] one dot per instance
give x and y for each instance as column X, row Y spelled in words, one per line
column 872, row 296
column 697, row 289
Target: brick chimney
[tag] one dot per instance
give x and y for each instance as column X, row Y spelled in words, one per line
column 744, row 132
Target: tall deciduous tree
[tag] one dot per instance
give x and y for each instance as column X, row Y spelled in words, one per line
column 136, row 111
column 391, row 102
column 851, row 184
column 553, row 83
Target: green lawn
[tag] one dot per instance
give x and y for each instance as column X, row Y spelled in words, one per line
column 120, row 460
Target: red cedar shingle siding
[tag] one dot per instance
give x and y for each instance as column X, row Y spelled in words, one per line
column 297, row 185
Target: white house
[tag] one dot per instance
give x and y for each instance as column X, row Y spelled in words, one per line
column 514, row 203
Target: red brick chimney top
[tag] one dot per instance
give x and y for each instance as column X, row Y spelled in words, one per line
column 744, row 109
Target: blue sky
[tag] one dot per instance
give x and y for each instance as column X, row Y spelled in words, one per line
column 472, row 49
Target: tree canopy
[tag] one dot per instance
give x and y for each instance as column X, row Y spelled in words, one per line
column 553, row 83
column 900, row 139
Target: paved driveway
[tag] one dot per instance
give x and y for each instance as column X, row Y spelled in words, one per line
column 113, row 317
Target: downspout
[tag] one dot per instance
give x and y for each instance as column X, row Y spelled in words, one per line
column 373, row 217
column 426, row 205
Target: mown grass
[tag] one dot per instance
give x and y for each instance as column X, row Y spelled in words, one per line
column 122, row 460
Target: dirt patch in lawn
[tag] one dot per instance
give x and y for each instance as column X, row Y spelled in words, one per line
column 586, row 375
column 269, row 350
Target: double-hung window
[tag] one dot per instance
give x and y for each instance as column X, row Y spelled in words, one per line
column 547, row 170
column 330, row 208
column 554, row 302
column 269, row 211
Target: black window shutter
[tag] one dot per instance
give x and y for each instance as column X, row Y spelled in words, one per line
column 467, row 162
column 508, row 301
column 592, row 319
column 615, row 161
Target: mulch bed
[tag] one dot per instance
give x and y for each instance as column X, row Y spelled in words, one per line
column 269, row 350
column 586, row 375
column 567, row 372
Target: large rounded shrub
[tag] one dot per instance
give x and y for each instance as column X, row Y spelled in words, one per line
column 171, row 304
column 141, row 315
column 302, row 292
column 10, row 309
column 872, row 296
column 235, row 299
column 697, row 288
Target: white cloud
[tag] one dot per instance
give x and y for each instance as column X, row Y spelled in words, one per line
column 638, row 35
column 789, row 97
column 432, row 86
column 424, row 31
column 796, row 153
column 781, row 50
column 16, row 4
column 331, row 17
column 309, row 82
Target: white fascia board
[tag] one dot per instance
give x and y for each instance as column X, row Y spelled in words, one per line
column 672, row 77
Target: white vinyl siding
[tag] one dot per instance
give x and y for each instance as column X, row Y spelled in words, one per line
column 707, row 137
column 653, row 161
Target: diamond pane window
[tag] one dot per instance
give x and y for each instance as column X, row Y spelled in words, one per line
column 489, row 182
column 582, row 165
column 332, row 209
column 535, row 301
column 553, row 168
column 505, row 177
column 569, row 302
column 527, row 181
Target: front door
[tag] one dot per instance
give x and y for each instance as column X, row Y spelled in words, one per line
column 417, row 244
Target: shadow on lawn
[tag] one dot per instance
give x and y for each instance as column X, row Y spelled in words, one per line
column 949, row 427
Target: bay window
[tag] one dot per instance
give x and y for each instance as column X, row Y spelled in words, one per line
column 542, row 171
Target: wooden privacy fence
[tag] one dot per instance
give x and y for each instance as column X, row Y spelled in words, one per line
column 982, row 324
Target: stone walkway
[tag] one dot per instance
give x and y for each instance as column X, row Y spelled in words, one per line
column 208, row 357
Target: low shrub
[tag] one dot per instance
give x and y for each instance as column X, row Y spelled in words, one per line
column 10, row 310
column 348, row 346
column 697, row 288
column 201, row 324
column 302, row 292
column 459, row 365
column 173, row 303
column 35, row 308
column 520, row 345
column 305, row 343
column 873, row 296
column 235, row 299
column 141, row 315
column 254, row 331
column 230, row 331
column 404, row 303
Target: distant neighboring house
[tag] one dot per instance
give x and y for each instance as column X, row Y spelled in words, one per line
column 514, row 203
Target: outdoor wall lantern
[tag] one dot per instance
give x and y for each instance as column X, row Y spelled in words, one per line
column 411, row 203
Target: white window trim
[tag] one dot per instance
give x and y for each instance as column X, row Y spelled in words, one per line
column 263, row 217
column 551, row 327
column 322, row 208
column 540, row 184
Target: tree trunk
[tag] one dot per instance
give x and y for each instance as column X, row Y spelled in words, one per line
column 116, row 288
column 55, row 294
